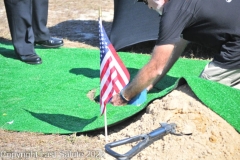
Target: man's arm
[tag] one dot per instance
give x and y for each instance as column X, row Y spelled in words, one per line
column 162, row 59
column 176, row 53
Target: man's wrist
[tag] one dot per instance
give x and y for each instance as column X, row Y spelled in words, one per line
column 123, row 97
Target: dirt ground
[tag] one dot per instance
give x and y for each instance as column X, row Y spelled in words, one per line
column 208, row 136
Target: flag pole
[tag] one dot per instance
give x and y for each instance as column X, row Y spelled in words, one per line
column 106, row 130
column 100, row 13
column 105, row 112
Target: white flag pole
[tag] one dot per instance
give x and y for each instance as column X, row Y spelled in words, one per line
column 106, row 130
column 105, row 112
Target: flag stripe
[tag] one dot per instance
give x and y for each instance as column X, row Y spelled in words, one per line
column 120, row 66
column 113, row 74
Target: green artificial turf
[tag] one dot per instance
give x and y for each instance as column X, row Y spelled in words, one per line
column 52, row 97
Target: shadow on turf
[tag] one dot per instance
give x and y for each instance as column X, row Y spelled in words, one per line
column 6, row 52
column 165, row 82
column 87, row 72
column 65, row 122
column 95, row 73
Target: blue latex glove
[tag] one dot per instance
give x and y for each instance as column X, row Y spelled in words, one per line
column 139, row 99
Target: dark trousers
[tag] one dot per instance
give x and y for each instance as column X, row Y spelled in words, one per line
column 27, row 21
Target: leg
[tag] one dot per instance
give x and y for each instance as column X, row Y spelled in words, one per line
column 20, row 24
column 39, row 20
column 19, row 20
column 229, row 77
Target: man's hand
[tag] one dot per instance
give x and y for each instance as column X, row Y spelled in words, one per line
column 118, row 101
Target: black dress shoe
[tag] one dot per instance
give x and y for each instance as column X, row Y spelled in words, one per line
column 51, row 43
column 31, row 59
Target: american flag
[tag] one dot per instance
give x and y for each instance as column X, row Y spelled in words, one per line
column 113, row 74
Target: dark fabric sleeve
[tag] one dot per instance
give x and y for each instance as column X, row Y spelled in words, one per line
column 172, row 25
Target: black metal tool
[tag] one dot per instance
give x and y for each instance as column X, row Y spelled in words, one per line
column 146, row 140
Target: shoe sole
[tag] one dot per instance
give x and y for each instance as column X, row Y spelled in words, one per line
column 50, row 46
column 33, row 63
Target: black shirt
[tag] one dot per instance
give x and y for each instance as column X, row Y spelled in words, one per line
column 213, row 23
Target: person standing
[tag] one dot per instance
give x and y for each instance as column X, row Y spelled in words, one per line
column 27, row 21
